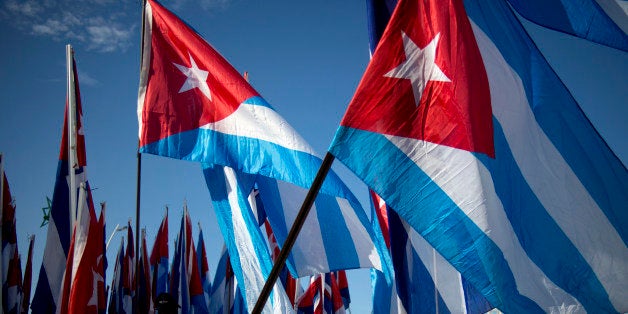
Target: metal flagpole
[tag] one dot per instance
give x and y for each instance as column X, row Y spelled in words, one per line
column 71, row 94
column 294, row 232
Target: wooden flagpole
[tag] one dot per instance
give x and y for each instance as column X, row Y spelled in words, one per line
column 294, row 232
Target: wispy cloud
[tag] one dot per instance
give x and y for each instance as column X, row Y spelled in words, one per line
column 86, row 79
column 98, row 25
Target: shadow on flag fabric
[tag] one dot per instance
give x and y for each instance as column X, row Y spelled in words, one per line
column 194, row 105
column 466, row 132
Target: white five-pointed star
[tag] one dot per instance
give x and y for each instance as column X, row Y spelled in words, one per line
column 419, row 66
column 197, row 78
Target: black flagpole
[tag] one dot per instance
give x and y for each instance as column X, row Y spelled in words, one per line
column 139, row 171
column 294, row 232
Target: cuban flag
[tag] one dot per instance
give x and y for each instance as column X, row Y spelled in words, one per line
column 462, row 127
column 159, row 259
column 343, row 286
column 203, row 267
column 194, row 105
column 234, row 202
column 59, row 230
column 308, row 301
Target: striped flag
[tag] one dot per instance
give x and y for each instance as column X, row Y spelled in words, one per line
column 462, row 127
column 225, row 297
column 424, row 281
column 159, row 259
column 47, row 291
column 203, row 267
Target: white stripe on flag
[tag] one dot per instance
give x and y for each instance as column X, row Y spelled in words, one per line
column 248, row 120
column 367, row 253
column 309, row 247
column 544, row 168
column 54, row 260
column 469, row 185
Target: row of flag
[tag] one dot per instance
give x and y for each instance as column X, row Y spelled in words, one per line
column 16, row 286
column 491, row 187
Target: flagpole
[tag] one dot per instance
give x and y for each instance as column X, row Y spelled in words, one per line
column 69, row 52
column 139, row 165
column 294, row 232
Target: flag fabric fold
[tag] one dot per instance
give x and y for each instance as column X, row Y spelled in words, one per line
column 484, row 153
column 424, row 281
column 602, row 22
column 233, row 200
column 194, row 105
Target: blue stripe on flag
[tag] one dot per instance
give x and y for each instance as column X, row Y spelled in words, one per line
column 539, row 234
column 560, row 117
column 335, row 233
column 584, row 18
column 457, row 238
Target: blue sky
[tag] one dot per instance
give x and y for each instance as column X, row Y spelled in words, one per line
column 305, row 58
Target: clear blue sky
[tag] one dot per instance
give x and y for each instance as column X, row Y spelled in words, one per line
column 305, row 58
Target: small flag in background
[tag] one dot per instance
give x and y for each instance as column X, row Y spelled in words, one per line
column 203, row 267
column 28, row 276
column 144, row 298
column 115, row 300
column 159, row 259
column 462, row 127
column 11, row 267
column 225, row 297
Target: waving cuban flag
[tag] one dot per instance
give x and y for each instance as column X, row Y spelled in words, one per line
column 194, row 105
column 460, row 125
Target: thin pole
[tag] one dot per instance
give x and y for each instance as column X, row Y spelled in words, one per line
column 139, row 167
column 294, row 232
column 69, row 52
